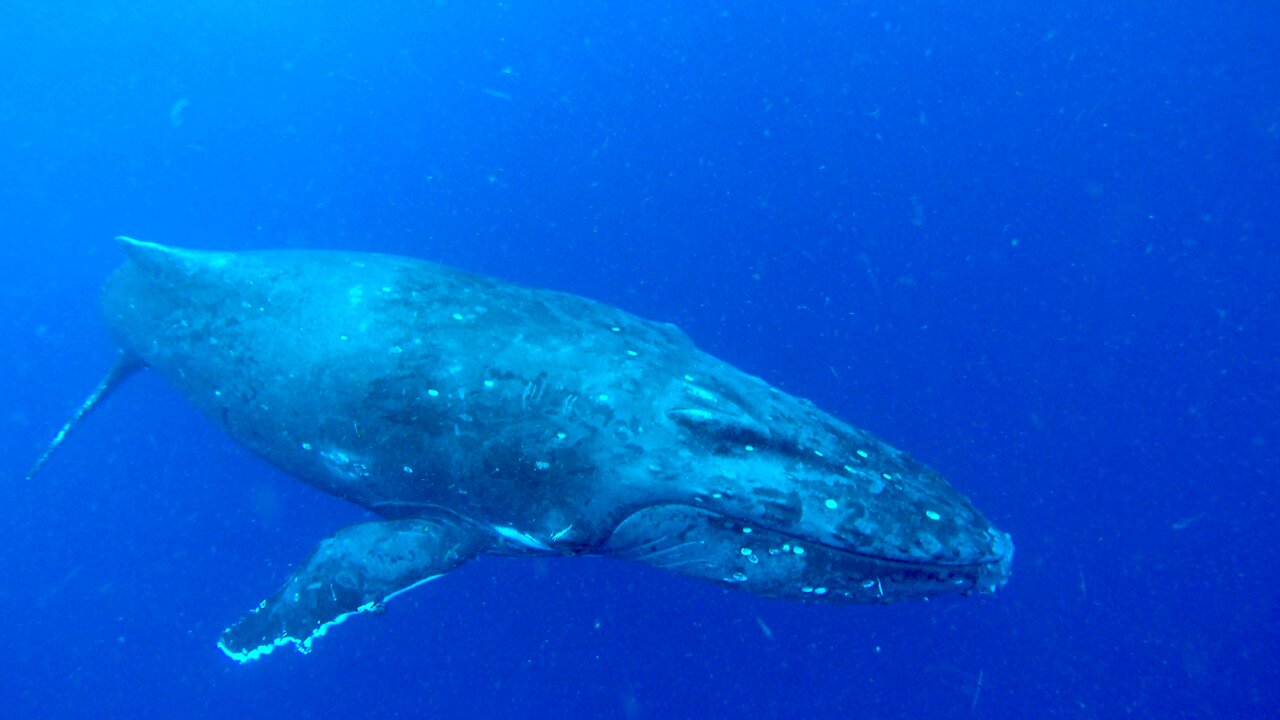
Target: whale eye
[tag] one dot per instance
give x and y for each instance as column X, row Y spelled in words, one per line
column 720, row 427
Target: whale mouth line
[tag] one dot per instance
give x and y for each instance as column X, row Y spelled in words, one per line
column 988, row 561
column 992, row 560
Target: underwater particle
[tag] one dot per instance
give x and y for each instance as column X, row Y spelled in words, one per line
column 175, row 111
column 932, row 515
column 745, row 551
column 750, row 448
column 632, row 353
column 797, row 549
column 408, row 469
column 433, row 392
column 863, row 454
column 831, row 504
column 457, row 316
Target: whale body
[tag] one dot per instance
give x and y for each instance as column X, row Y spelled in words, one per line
column 479, row 417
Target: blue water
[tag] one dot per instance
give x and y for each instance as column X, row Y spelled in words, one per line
column 1034, row 244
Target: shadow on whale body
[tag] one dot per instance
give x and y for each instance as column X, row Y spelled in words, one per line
column 479, row 417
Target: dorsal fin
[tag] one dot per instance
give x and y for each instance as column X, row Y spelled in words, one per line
column 169, row 264
column 126, row 364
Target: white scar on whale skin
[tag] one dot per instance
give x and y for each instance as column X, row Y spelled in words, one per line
column 522, row 538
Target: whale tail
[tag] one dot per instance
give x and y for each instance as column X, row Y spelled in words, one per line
column 126, row 364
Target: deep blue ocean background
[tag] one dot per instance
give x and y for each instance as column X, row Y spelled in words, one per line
column 1037, row 245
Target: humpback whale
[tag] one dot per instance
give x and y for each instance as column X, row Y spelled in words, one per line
column 474, row 416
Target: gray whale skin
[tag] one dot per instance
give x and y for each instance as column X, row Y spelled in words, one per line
column 478, row 417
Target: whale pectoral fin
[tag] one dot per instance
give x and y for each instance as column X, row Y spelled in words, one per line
column 356, row 570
